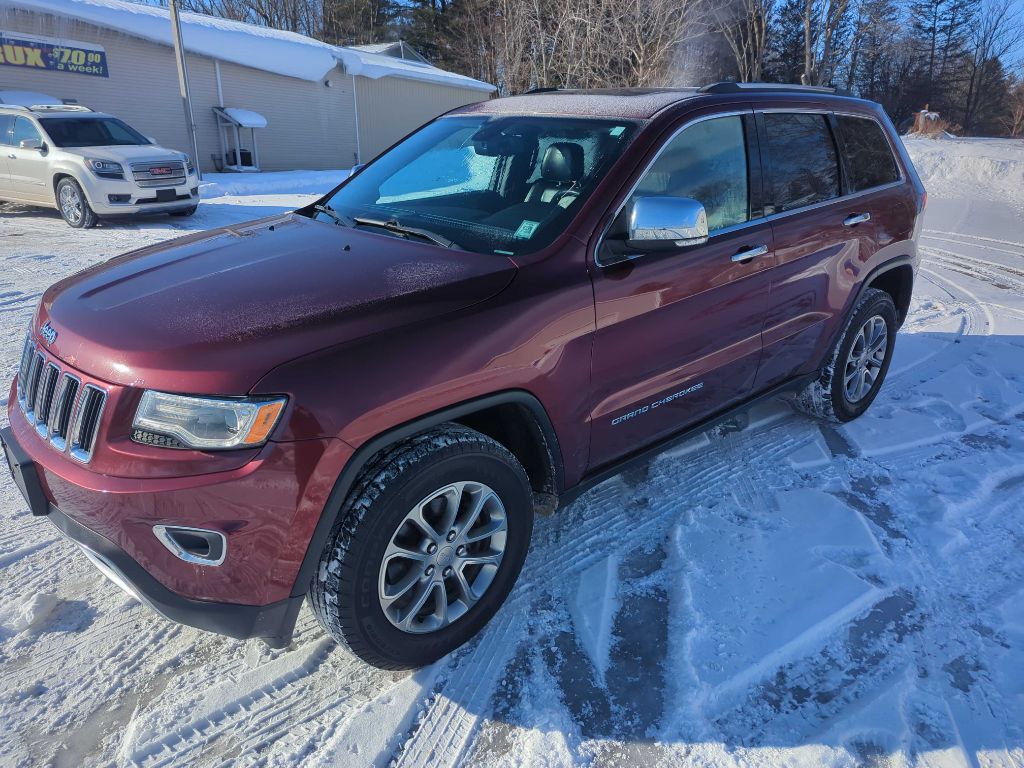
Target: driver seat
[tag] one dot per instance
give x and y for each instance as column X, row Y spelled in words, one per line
column 560, row 173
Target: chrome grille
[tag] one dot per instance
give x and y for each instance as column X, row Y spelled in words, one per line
column 54, row 401
column 144, row 176
column 60, row 414
column 44, row 397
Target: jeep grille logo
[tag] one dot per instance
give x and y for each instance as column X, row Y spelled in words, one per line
column 48, row 332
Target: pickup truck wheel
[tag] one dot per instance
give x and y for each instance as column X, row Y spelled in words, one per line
column 426, row 548
column 73, row 206
column 858, row 363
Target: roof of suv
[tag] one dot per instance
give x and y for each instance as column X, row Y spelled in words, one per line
column 637, row 103
column 49, row 109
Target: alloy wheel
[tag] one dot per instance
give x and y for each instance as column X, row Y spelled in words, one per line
column 443, row 557
column 865, row 360
column 71, row 204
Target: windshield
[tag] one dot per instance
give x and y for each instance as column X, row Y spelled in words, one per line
column 91, row 132
column 490, row 184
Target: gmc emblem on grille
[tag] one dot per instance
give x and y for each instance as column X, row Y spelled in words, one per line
column 163, row 171
column 48, row 332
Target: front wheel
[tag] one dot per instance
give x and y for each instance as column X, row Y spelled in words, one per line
column 426, row 548
column 73, row 205
column 185, row 212
column 858, row 363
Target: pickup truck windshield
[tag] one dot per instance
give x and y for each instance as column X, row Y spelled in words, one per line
column 91, row 132
column 489, row 184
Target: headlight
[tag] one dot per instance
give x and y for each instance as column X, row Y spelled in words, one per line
column 180, row 421
column 189, row 167
column 106, row 169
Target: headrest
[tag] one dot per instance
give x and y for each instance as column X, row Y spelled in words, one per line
column 562, row 162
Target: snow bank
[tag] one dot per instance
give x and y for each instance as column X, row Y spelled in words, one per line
column 272, row 50
column 273, row 183
column 28, row 613
column 987, row 168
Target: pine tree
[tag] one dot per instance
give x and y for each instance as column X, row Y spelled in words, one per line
column 785, row 60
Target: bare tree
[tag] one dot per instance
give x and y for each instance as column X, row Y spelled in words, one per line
column 999, row 30
column 744, row 26
column 301, row 16
column 821, row 23
column 1014, row 122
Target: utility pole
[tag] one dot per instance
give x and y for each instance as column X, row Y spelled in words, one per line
column 186, row 97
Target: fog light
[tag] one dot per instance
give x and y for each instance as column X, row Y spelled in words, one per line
column 193, row 545
column 194, row 191
column 119, row 198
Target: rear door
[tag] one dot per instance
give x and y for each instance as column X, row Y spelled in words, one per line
column 817, row 249
column 679, row 330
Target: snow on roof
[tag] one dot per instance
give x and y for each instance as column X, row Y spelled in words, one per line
column 272, row 50
column 26, row 98
column 375, row 65
column 245, row 118
column 399, row 49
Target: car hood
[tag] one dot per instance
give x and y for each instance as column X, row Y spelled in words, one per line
column 130, row 153
column 212, row 312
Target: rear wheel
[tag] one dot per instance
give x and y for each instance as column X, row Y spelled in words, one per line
column 859, row 361
column 426, row 548
column 73, row 206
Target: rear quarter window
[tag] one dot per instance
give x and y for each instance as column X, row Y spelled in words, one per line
column 869, row 159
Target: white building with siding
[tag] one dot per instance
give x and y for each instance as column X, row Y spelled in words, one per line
column 324, row 106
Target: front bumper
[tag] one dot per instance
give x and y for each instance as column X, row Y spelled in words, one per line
column 272, row 623
column 140, row 200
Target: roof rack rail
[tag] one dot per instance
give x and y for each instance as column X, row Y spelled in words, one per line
column 15, row 106
column 59, row 108
column 544, row 90
column 733, row 87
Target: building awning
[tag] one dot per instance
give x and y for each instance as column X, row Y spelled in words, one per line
column 243, row 118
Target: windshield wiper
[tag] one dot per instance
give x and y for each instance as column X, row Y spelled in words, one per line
column 393, row 226
column 326, row 210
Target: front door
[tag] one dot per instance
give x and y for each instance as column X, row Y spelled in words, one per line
column 679, row 331
column 29, row 168
column 6, row 182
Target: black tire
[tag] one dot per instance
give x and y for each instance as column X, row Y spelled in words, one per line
column 81, row 216
column 827, row 398
column 344, row 592
column 185, row 212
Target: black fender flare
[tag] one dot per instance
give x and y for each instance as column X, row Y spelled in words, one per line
column 347, row 477
column 887, row 266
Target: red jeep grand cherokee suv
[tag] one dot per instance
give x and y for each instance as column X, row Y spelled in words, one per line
column 365, row 401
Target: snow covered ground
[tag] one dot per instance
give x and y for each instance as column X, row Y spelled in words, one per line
column 774, row 592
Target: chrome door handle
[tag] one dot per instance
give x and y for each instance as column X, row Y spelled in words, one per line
column 750, row 253
column 13, row 157
column 856, row 218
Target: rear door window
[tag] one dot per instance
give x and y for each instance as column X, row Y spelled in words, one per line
column 869, row 159
column 803, row 161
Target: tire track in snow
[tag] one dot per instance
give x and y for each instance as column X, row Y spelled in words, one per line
column 979, row 238
column 446, row 729
column 990, row 272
